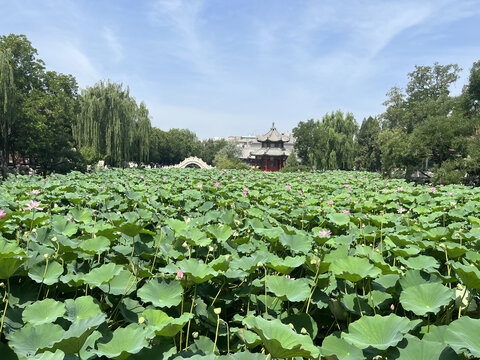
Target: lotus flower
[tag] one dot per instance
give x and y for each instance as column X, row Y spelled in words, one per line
column 2, row 213
column 324, row 233
column 35, row 192
column 179, row 274
column 330, row 202
column 33, row 205
column 217, row 184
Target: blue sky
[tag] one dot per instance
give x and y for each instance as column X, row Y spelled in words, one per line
column 232, row 67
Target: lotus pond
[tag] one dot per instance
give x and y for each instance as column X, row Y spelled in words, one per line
column 183, row 263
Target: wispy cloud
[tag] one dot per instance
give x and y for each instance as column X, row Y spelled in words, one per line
column 184, row 19
column 113, row 43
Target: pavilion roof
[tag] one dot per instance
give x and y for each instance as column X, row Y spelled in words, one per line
column 271, row 152
column 273, row 135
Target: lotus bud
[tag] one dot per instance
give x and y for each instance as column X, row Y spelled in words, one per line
column 179, row 274
column 141, row 320
column 195, row 334
column 259, row 264
column 34, row 230
column 2, row 285
column 45, row 256
column 304, row 331
column 217, row 311
column 54, row 238
column 210, row 248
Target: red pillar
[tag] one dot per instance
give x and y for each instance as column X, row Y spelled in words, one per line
column 266, row 164
column 255, row 161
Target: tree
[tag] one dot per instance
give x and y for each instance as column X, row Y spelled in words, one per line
column 106, row 122
column 209, row 148
column 143, row 128
column 7, row 108
column 335, row 145
column 367, row 151
column 228, row 157
column 305, row 134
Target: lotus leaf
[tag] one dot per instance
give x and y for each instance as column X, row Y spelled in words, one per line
column 95, row 245
column 196, row 270
column 125, row 341
column 469, row 274
column 462, row 334
column 163, row 324
column 62, row 226
column 103, row 274
column 335, row 346
column 379, row 332
column 426, row 350
column 83, row 307
column 339, row 219
column 29, row 339
column 426, row 298
column 298, row 243
column 354, row 268
column 122, row 284
column 280, row 340
column 220, row 232
column 161, row 293
column 287, row 265
column 44, row 311
column 288, row 289
column 270, row 234
column 48, row 277
column 420, row 262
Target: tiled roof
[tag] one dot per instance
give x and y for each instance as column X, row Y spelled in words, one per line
column 273, row 135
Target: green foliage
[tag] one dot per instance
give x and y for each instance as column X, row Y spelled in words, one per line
column 367, row 154
column 291, row 160
column 227, row 157
column 238, row 257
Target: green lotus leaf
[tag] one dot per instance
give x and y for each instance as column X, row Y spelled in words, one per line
column 417, row 277
column 61, row 225
column 271, row 235
column 420, row 262
column 436, row 334
column 220, row 232
column 426, row 350
column 122, row 284
column 462, row 334
column 379, row 332
column 29, row 339
column 95, row 245
column 302, row 322
column 339, row 219
column 280, row 340
column 50, row 277
column 42, row 312
column 406, row 251
column 161, row 293
column 164, row 325
column 9, row 249
column 469, row 274
column 244, row 355
column 125, row 341
column 436, row 233
column 298, row 243
column 354, row 268
column 103, row 274
column 354, row 303
column 426, row 298
column 250, row 338
column 288, row 289
column 287, row 265
column 47, row 355
column 82, row 215
column 74, row 338
column 9, row 266
column 335, row 346
column 83, row 307
column 196, row 270
column 177, row 225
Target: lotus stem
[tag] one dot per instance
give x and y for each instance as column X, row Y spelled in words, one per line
column 157, row 247
column 6, row 306
column 218, row 293
column 313, row 288
column 266, row 306
column 43, row 277
column 189, row 321
column 216, row 333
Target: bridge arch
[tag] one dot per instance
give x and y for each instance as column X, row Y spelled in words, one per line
column 193, row 162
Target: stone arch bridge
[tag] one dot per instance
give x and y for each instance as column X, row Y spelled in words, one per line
column 193, row 162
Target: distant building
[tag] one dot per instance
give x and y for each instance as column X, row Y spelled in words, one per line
column 267, row 152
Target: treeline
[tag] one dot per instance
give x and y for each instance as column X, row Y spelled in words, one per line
column 47, row 120
column 423, row 130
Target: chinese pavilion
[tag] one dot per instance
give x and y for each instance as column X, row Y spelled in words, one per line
column 273, row 153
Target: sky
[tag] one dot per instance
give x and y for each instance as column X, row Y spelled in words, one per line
column 233, row 67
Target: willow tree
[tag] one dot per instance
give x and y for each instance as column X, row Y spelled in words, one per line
column 7, row 94
column 106, row 122
column 142, row 134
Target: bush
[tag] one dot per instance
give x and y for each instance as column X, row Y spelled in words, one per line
column 298, row 168
column 450, row 172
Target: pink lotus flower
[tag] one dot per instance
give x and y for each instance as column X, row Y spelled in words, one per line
column 200, row 186
column 300, row 192
column 35, row 192
column 401, row 210
column 179, row 274
column 289, row 187
column 324, row 233
column 33, row 205
column 330, row 202
column 433, row 189
column 2, row 213
column 392, row 307
column 345, row 211
column 217, row 184
column 288, row 277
